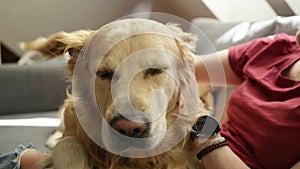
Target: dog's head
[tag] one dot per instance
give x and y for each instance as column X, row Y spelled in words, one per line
column 141, row 77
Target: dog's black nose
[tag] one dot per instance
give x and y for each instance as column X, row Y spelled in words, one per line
column 131, row 128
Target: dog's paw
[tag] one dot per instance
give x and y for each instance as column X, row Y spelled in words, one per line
column 53, row 139
column 69, row 153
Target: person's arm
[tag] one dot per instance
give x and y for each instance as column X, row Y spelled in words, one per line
column 221, row 158
column 218, row 60
column 298, row 37
column 296, row 166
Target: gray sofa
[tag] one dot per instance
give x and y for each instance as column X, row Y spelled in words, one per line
column 27, row 92
column 38, row 90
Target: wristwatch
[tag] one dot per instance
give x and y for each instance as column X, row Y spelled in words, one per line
column 206, row 126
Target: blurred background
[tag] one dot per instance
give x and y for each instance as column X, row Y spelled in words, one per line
column 27, row 20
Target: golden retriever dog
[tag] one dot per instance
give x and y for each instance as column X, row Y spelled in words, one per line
column 133, row 98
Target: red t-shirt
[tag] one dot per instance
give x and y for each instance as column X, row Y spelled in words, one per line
column 263, row 126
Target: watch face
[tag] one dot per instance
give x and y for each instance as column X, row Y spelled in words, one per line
column 206, row 126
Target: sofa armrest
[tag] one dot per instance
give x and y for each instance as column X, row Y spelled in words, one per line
column 32, row 88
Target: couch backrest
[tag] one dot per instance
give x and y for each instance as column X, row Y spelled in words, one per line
column 32, row 88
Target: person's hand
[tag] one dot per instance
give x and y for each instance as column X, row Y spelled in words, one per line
column 32, row 159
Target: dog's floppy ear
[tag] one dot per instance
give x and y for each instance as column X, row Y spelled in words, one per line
column 59, row 43
column 188, row 39
column 186, row 43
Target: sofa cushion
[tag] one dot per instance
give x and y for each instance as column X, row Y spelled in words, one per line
column 225, row 34
column 13, row 135
column 32, row 88
column 207, row 31
column 289, row 25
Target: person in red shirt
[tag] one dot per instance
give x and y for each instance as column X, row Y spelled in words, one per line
column 263, row 114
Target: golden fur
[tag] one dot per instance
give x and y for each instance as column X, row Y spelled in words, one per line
column 75, row 149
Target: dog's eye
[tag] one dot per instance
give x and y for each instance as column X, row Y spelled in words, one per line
column 105, row 74
column 153, row 71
